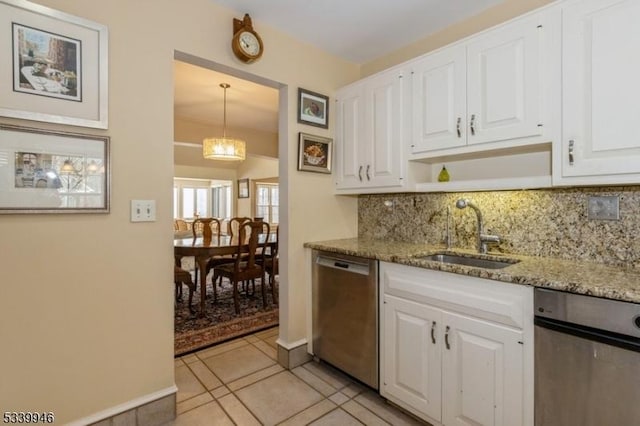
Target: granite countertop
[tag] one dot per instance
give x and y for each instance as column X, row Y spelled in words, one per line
column 579, row 277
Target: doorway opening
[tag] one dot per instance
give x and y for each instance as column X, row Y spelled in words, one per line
column 211, row 188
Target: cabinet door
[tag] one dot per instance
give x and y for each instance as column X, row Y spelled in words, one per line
column 504, row 88
column 439, row 100
column 384, row 134
column 601, row 88
column 482, row 378
column 411, row 361
column 349, row 134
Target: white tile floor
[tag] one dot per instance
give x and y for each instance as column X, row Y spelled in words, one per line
column 241, row 383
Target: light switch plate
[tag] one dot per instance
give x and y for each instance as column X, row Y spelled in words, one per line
column 604, row 207
column 143, row 210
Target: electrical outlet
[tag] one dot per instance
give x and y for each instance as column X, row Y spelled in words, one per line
column 603, row 207
column 143, row 210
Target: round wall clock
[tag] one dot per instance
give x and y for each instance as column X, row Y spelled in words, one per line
column 246, row 43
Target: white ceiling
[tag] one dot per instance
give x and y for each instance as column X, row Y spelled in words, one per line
column 199, row 97
column 356, row 30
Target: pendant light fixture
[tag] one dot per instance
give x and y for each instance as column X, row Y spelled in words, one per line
column 224, row 148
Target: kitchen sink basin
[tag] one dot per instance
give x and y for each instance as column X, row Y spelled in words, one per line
column 469, row 261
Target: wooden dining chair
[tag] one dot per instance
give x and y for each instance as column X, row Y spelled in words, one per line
column 180, row 277
column 232, row 231
column 234, row 224
column 180, row 225
column 271, row 266
column 248, row 262
column 207, row 228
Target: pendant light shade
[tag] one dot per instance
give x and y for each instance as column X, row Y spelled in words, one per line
column 224, row 148
column 67, row 167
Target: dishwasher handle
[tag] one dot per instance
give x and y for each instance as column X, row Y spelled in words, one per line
column 608, row 338
column 343, row 265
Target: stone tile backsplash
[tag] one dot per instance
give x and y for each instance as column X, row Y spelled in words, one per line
column 549, row 222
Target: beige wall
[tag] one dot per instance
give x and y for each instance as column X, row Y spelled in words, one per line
column 490, row 17
column 196, row 172
column 86, row 310
column 254, row 168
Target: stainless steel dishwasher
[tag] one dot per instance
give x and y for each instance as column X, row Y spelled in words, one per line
column 345, row 314
column 587, row 360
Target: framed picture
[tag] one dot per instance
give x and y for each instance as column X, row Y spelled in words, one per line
column 243, row 188
column 57, row 66
column 314, row 153
column 313, row 108
column 46, row 171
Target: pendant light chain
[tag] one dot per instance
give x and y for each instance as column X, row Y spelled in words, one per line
column 225, row 86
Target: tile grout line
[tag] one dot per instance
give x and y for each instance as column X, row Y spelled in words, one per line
column 367, row 408
column 198, row 378
column 203, row 386
column 258, row 347
column 241, row 403
column 305, row 409
column 201, row 360
column 320, row 378
column 232, row 392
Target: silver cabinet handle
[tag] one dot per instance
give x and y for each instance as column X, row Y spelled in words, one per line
column 571, row 144
column 446, row 338
column 458, row 127
column 367, row 173
column 433, row 332
column 360, row 173
column 472, row 125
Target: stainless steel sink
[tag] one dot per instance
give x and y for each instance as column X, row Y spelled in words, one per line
column 469, row 261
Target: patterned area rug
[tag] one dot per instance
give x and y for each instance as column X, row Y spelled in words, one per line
column 220, row 322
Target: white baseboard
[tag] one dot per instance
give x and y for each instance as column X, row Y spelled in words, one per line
column 126, row 406
column 288, row 346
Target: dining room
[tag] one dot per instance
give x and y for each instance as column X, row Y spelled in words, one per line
column 209, row 104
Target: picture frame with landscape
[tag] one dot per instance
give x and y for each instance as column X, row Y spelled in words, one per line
column 51, row 171
column 57, row 66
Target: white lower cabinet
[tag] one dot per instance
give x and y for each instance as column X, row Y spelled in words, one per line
column 482, row 370
column 411, row 371
column 456, row 350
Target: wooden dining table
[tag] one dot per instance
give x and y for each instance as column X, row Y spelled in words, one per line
column 203, row 249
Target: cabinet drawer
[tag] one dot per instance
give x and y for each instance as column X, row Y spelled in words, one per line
column 504, row 303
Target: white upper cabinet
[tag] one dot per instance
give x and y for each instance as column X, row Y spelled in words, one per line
column 601, row 89
column 370, row 133
column 491, row 88
column 440, row 100
column 504, row 88
column 349, row 129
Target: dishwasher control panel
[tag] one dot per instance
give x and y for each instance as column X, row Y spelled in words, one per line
column 589, row 311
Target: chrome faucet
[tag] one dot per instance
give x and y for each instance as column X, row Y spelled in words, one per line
column 448, row 229
column 482, row 239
